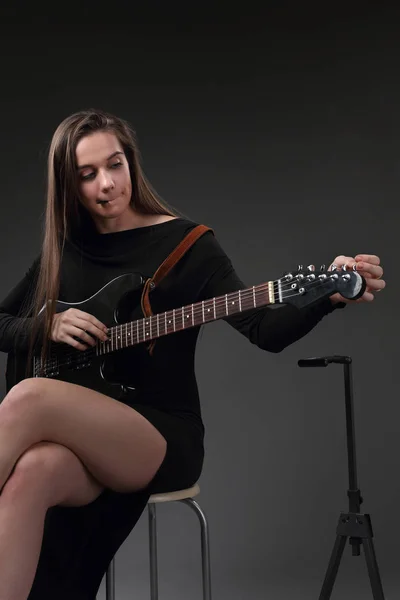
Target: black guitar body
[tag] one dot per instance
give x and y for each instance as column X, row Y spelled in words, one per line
column 115, row 303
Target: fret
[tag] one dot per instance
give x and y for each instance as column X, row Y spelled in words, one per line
column 148, row 333
column 192, row 314
column 118, row 336
column 202, row 306
column 254, row 296
column 226, row 304
column 263, row 296
column 170, row 322
column 186, row 316
column 240, row 301
column 232, row 302
column 158, row 326
column 207, row 311
column 215, row 314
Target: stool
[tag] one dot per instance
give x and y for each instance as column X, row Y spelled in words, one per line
column 186, row 497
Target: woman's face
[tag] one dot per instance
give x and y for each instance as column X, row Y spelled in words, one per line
column 104, row 180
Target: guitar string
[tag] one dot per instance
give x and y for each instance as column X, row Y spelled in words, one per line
column 197, row 311
column 81, row 356
column 90, row 352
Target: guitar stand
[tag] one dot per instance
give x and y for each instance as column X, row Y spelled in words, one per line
column 352, row 524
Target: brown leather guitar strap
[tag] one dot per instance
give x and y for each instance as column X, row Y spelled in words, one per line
column 165, row 268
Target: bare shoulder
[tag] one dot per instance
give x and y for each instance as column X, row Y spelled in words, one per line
column 157, row 219
column 164, row 218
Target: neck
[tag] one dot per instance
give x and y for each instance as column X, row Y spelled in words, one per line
column 129, row 219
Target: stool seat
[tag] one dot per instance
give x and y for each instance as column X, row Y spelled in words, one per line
column 173, row 496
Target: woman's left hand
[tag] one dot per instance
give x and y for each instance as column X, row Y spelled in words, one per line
column 369, row 267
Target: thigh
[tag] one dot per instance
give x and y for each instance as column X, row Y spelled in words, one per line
column 56, row 474
column 119, row 446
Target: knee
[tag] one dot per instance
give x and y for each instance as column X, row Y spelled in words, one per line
column 39, row 468
column 24, row 392
column 44, row 458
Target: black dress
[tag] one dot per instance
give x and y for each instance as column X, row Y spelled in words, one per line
column 79, row 542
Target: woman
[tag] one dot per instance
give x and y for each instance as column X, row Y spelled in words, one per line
column 77, row 466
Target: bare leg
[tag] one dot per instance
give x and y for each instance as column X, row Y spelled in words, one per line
column 120, row 448
column 46, row 475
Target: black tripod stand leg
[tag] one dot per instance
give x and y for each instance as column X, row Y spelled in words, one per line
column 373, row 570
column 333, row 567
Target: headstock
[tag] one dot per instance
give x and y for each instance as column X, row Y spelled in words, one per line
column 307, row 286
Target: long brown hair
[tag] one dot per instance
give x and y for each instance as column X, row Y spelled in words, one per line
column 65, row 216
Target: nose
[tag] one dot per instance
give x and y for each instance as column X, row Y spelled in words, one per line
column 106, row 181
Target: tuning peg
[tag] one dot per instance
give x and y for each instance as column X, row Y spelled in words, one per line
column 311, row 268
column 322, row 268
column 288, row 276
column 300, row 268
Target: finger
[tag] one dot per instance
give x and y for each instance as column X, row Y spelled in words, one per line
column 370, row 258
column 366, row 297
column 71, row 341
column 375, row 285
column 375, row 270
column 91, row 319
column 92, row 328
column 82, row 335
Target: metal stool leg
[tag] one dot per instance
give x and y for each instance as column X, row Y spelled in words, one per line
column 110, row 581
column 205, row 546
column 153, row 552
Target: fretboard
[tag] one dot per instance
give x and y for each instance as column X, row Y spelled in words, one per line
column 192, row 315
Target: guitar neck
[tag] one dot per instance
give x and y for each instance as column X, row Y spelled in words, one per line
column 192, row 315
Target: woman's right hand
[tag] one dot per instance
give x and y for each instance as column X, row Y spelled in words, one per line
column 74, row 323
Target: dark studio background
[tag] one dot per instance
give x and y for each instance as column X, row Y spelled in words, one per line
column 282, row 133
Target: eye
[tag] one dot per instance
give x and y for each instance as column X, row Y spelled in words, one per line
column 86, row 177
column 116, row 165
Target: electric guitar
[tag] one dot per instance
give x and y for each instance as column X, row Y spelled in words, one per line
column 89, row 367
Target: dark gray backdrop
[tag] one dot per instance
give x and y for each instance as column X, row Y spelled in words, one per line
column 282, row 134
